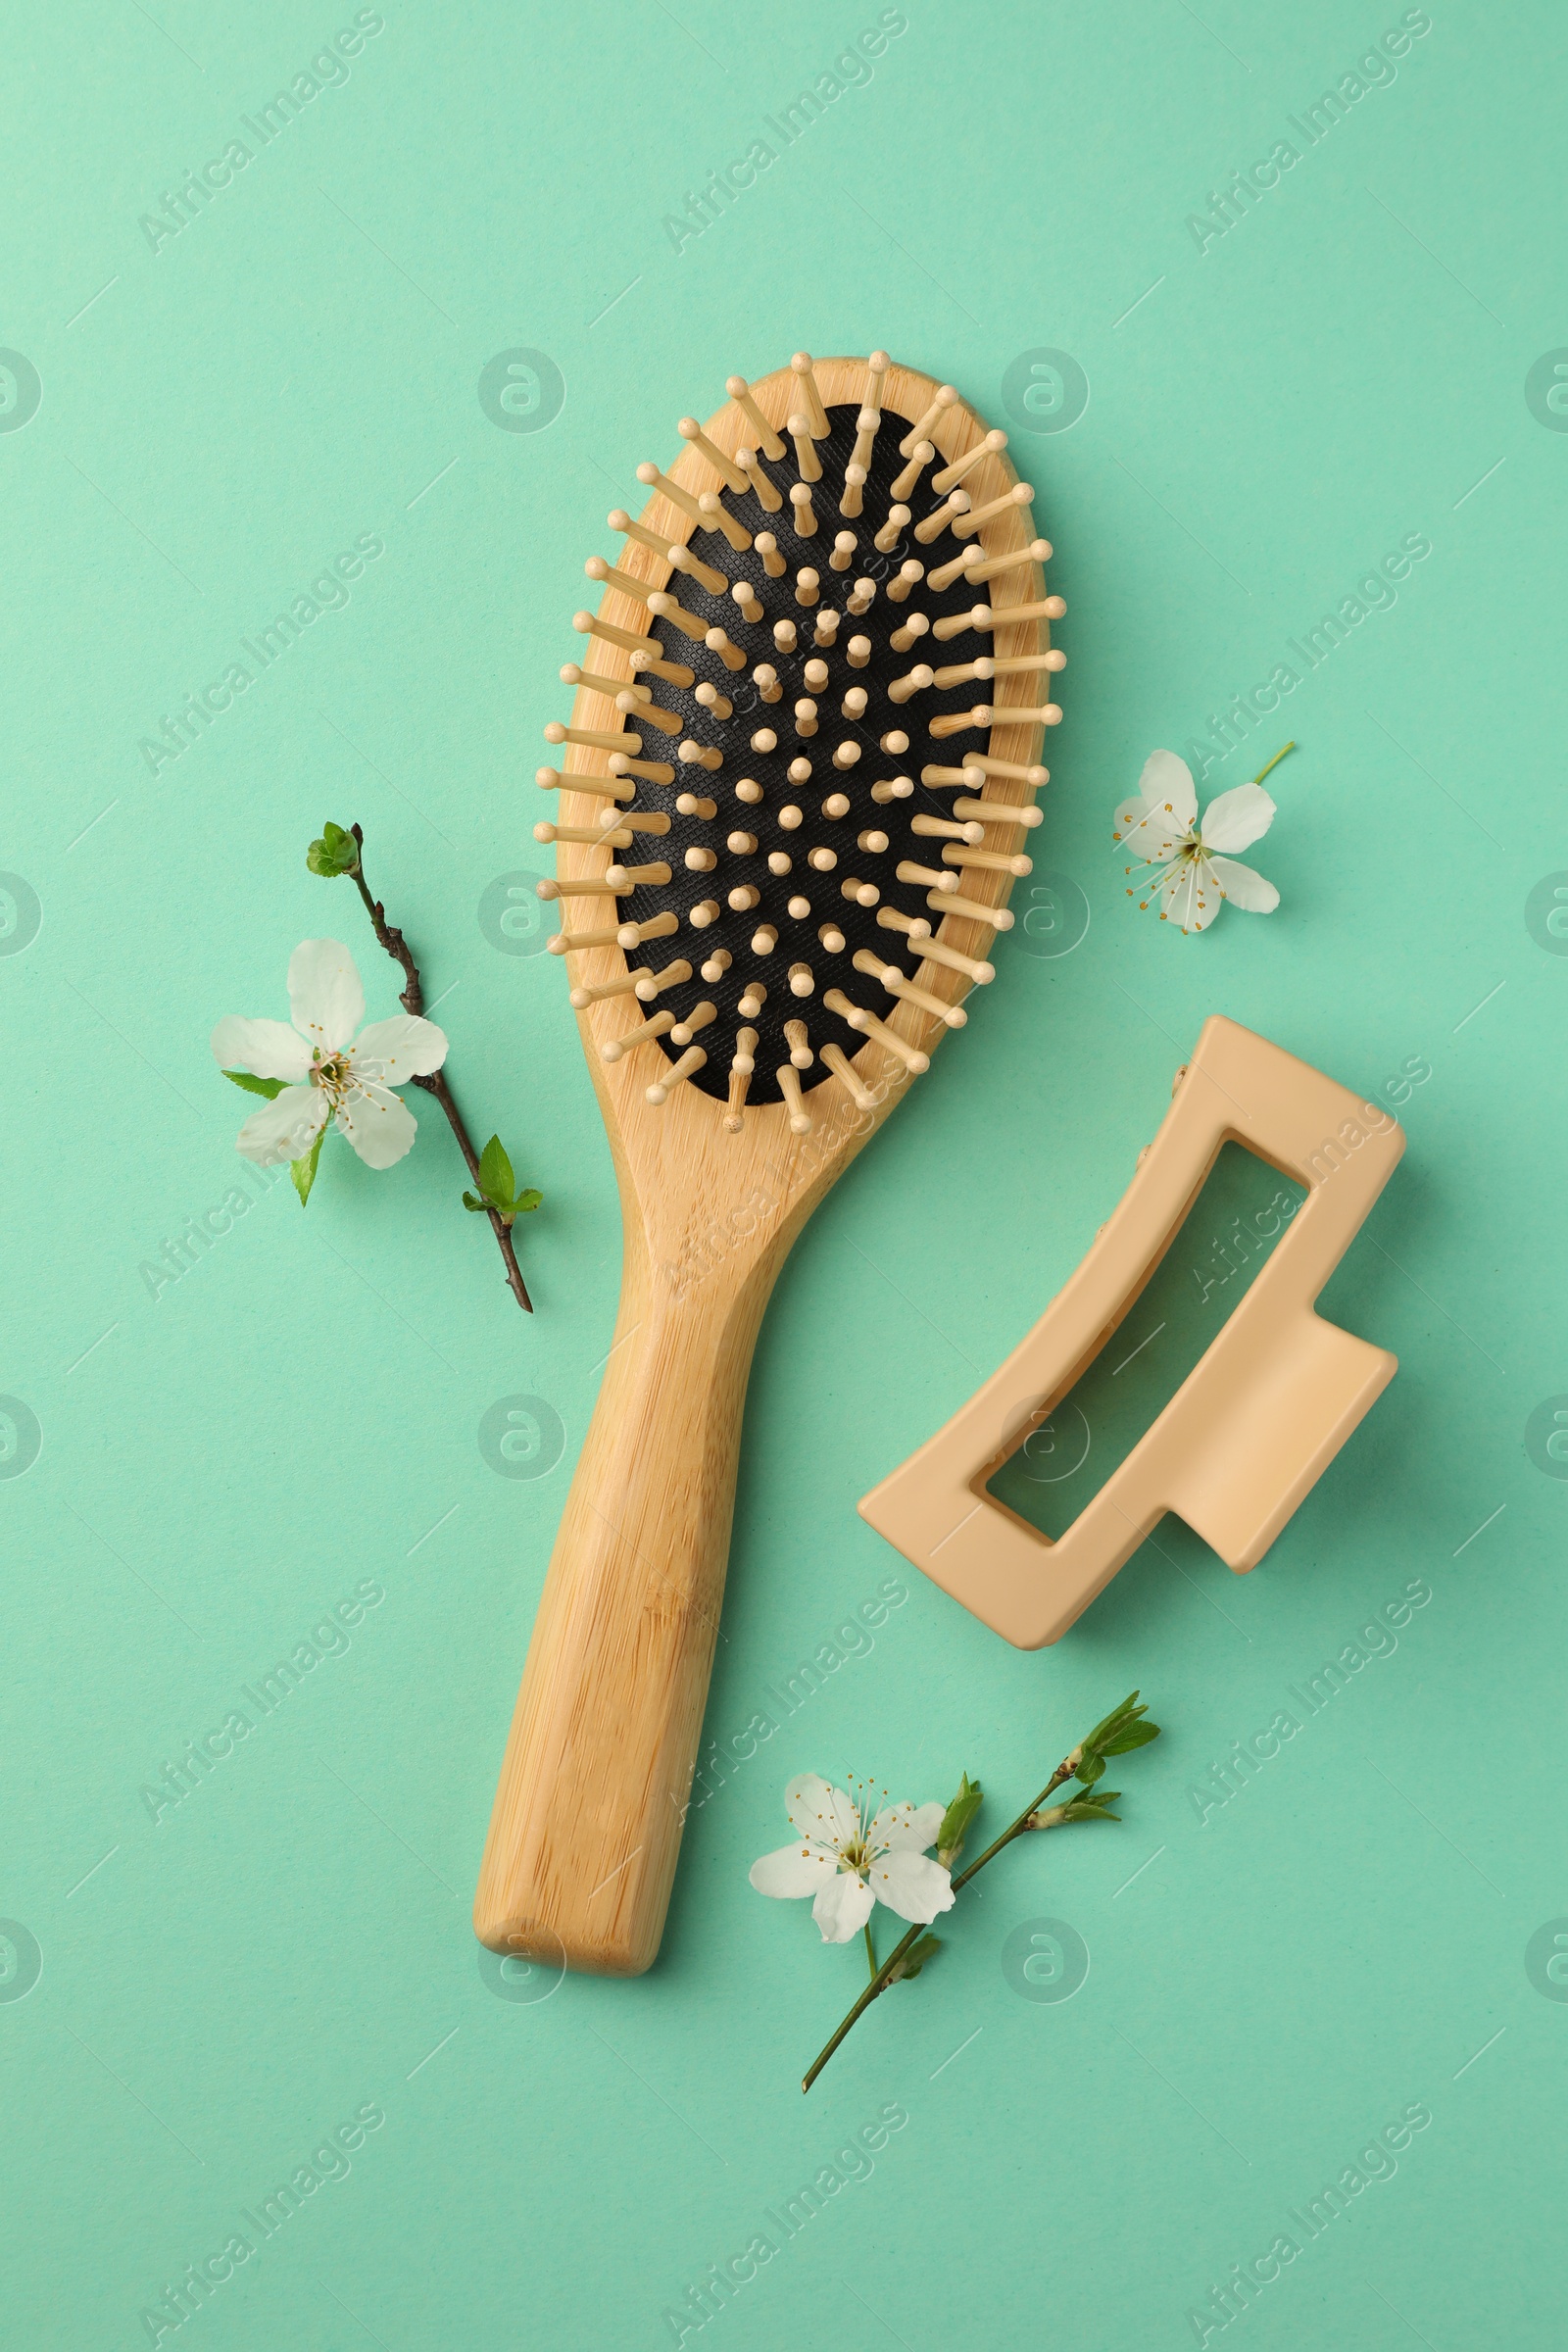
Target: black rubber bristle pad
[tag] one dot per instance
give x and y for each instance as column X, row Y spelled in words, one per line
column 798, row 941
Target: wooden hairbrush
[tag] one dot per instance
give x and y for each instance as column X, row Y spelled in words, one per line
column 787, row 828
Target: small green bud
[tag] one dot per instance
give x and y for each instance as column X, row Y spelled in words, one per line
column 335, row 853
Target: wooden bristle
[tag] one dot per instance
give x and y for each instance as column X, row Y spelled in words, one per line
column 690, row 1062
column 957, row 722
column 919, row 458
column 966, row 562
column 581, row 998
column 577, row 943
column 946, row 828
column 729, row 473
column 728, row 650
column 597, row 739
column 617, row 836
column 843, row 1069
column 1037, row 552
column 789, row 1086
column 957, row 624
column 619, row 520
column 615, row 1048
column 946, row 396
column 650, row 479
column 951, row 475
column 805, row 512
column 794, row 843
column 581, row 886
column 654, row 984
column 1000, row 812
column 807, row 463
column 717, row 518
column 694, row 569
column 994, row 861
column 669, row 608
column 761, row 482
column 943, row 517
column 898, row 983
column 801, row 364
column 1021, row 495
column 953, row 903
column 767, row 439
column 610, row 576
column 651, row 771
column 597, row 788
column 868, row 1025
column 698, row 1019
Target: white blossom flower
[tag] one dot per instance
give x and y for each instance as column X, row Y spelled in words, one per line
column 1191, row 868
column 329, row 1073
column 850, row 1864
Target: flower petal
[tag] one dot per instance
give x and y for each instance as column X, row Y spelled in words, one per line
column 1127, row 814
column 843, row 1905
column 1156, row 836
column 1237, row 818
column 407, row 1046
column 913, row 1886
column 791, row 1870
column 324, row 997
column 284, row 1128
column 378, row 1125
column 906, row 1828
column 1243, row 887
column 1167, row 783
column 267, row 1049
column 819, row 1812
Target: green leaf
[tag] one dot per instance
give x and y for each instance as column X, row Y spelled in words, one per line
column 526, row 1201
column 304, row 1170
column 335, row 853
column 1137, row 1735
column 912, row 1965
column 1091, row 1768
column 496, row 1180
column 1116, row 1721
column 271, row 1088
column 1093, row 1808
column 958, row 1817
column 472, row 1200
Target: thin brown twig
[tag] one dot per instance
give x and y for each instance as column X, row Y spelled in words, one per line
column 412, row 999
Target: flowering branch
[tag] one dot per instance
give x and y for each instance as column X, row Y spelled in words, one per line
column 340, row 850
column 1122, row 1730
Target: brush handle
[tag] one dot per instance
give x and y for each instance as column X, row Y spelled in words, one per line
column 586, row 1828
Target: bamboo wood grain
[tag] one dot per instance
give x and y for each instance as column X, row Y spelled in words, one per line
column 587, row 1822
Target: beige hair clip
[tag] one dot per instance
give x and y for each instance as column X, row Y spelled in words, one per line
column 1255, row 1422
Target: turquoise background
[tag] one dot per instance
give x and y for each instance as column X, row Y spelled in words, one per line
column 1273, row 1978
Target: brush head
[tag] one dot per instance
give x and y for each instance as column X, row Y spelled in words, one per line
column 791, row 724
